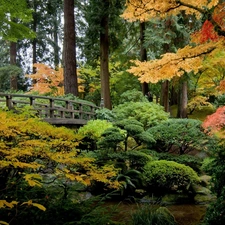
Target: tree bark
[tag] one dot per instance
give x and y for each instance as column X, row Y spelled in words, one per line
column 173, row 96
column 104, row 58
column 143, row 55
column 164, row 99
column 13, row 78
column 183, row 99
column 69, row 45
column 56, row 44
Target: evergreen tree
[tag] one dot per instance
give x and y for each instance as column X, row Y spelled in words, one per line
column 69, row 49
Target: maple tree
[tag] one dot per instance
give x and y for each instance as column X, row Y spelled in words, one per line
column 210, row 80
column 215, row 123
column 187, row 59
column 146, row 9
column 48, row 80
column 30, row 148
column 197, row 103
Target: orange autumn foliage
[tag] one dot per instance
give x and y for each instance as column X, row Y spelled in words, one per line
column 170, row 65
column 48, row 80
column 146, row 9
column 188, row 59
column 219, row 15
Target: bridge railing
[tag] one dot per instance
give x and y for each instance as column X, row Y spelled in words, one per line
column 52, row 110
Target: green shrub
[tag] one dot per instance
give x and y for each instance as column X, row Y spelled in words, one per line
column 132, row 96
column 105, row 114
column 182, row 135
column 91, row 133
column 151, row 215
column 137, row 159
column 135, row 130
column 147, row 113
column 110, row 138
column 188, row 160
column 215, row 214
column 219, row 101
column 169, row 176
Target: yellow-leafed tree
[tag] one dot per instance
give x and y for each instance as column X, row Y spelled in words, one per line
column 35, row 154
column 191, row 57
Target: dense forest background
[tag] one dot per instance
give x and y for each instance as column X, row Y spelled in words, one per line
column 94, row 46
column 157, row 70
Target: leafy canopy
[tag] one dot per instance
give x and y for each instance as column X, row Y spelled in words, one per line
column 148, row 113
column 182, row 135
column 185, row 60
column 13, row 16
column 146, row 9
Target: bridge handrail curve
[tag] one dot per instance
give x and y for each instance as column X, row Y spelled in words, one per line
column 74, row 111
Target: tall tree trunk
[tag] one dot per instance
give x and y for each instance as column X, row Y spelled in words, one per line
column 183, row 99
column 13, row 78
column 104, row 58
column 164, row 99
column 69, row 45
column 56, row 45
column 173, row 96
column 143, row 55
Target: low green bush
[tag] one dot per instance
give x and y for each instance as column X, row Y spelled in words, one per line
column 188, row 160
column 169, row 176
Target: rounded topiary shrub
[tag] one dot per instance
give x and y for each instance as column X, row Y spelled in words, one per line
column 169, row 176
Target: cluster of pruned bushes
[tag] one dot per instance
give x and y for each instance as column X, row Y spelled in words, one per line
column 132, row 151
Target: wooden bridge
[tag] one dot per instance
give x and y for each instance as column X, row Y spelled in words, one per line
column 57, row 111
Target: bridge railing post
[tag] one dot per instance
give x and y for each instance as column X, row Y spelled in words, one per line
column 32, row 101
column 69, row 105
column 9, row 102
column 51, row 109
column 80, row 111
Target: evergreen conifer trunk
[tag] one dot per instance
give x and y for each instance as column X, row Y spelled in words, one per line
column 143, row 53
column 164, row 99
column 69, row 50
column 104, row 57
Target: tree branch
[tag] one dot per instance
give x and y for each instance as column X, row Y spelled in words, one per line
column 180, row 3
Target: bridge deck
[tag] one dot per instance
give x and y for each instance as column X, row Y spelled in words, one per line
column 56, row 111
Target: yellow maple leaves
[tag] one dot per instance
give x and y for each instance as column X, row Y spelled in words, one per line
column 170, row 65
column 33, row 179
column 146, row 9
column 31, row 203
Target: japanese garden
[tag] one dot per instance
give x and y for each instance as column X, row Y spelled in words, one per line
column 112, row 112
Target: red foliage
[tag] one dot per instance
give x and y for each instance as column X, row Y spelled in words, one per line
column 216, row 121
column 208, row 33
